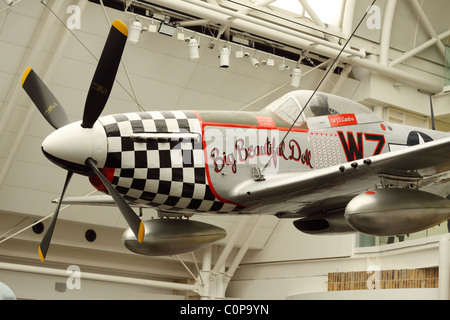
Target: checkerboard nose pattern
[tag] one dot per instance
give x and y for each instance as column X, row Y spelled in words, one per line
column 168, row 175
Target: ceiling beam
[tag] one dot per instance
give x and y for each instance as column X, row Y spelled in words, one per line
column 386, row 31
column 427, row 24
column 316, row 19
column 244, row 11
column 419, row 48
column 229, row 13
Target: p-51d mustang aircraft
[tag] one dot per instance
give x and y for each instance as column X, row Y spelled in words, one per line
column 324, row 160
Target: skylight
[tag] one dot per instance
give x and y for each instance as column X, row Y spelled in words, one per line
column 329, row 11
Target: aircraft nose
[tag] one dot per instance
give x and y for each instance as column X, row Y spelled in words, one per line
column 71, row 145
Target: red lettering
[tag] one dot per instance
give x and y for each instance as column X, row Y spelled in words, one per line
column 219, row 163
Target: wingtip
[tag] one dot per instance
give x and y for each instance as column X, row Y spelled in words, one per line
column 25, row 75
column 41, row 256
column 141, row 232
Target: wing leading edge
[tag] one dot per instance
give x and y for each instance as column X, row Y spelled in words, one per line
column 95, row 200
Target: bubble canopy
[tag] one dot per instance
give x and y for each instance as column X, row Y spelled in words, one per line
column 290, row 106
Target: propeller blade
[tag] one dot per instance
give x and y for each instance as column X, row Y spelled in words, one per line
column 136, row 224
column 44, row 99
column 45, row 243
column 105, row 73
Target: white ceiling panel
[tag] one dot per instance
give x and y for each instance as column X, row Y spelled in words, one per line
column 29, row 175
column 73, row 74
column 154, row 94
column 11, row 57
column 33, row 9
column 6, row 143
column 18, row 29
column 30, row 151
column 6, row 79
column 195, row 100
column 157, row 66
column 27, row 201
column 88, row 47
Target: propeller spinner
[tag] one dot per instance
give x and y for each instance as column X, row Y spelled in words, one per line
column 80, row 147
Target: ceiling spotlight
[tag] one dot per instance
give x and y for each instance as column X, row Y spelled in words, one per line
column 193, row 44
column 225, row 57
column 295, row 77
column 254, row 61
column 152, row 27
column 8, row 2
column 135, row 31
column 211, row 44
column 180, row 35
column 270, row 61
column 240, row 53
column 282, row 66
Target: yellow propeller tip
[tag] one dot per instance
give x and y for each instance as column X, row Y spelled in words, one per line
column 41, row 256
column 119, row 25
column 141, row 232
column 25, row 75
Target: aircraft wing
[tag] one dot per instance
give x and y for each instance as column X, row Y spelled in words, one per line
column 302, row 194
column 95, row 200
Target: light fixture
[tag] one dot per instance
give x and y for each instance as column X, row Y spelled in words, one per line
column 180, row 35
column 254, row 61
column 295, row 77
column 224, row 56
column 8, row 2
column 240, row 53
column 167, row 30
column 135, row 31
column 270, row 61
column 193, row 44
column 152, row 27
column 282, row 66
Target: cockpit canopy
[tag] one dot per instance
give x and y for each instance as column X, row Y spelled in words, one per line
column 290, row 106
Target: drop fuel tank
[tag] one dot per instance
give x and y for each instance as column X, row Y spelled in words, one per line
column 391, row 211
column 172, row 236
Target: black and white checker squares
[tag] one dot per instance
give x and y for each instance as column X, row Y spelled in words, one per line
column 167, row 175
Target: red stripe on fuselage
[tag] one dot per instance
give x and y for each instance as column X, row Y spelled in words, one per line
column 203, row 124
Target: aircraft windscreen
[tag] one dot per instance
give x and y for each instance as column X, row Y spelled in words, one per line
column 289, row 112
column 324, row 105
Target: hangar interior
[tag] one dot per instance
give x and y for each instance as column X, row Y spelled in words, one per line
column 394, row 64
